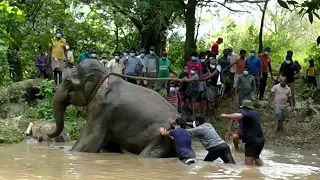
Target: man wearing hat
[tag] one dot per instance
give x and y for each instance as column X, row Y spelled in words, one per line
column 152, row 66
column 252, row 132
column 104, row 60
column 215, row 46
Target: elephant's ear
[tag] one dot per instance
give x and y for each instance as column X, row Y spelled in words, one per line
column 90, row 85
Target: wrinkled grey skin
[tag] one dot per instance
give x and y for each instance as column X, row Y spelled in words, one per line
column 124, row 116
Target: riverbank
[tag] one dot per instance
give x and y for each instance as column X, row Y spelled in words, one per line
column 301, row 130
column 302, row 127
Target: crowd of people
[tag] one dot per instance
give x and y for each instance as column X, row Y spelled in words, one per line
column 243, row 78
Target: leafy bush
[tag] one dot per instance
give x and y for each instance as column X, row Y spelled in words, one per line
column 4, row 69
column 10, row 132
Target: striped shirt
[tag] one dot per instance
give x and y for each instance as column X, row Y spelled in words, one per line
column 173, row 99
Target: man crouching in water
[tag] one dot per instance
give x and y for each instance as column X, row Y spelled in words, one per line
column 252, row 132
column 211, row 141
column 182, row 140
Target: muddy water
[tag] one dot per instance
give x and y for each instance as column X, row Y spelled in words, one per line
column 53, row 161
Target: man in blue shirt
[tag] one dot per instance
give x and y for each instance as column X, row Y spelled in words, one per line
column 133, row 65
column 255, row 65
column 182, row 140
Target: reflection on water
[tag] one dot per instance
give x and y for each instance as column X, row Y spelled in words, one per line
column 54, row 162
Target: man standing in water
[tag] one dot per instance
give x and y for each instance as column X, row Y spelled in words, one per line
column 252, row 132
column 211, row 141
column 281, row 94
column 182, row 140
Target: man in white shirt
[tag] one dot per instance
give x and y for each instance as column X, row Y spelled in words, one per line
column 104, row 60
column 70, row 60
column 115, row 65
column 232, row 57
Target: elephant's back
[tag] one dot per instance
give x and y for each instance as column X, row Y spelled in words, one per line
column 137, row 114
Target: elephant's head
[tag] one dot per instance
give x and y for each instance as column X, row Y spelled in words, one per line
column 77, row 88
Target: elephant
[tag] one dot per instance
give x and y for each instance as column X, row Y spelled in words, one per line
column 121, row 117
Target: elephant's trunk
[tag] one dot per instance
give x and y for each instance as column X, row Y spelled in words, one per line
column 59, row 110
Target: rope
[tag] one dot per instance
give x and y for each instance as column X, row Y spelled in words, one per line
column 105, row 76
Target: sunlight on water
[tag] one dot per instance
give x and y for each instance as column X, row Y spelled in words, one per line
column 45, row 161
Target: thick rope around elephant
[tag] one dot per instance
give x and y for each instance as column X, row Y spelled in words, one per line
column 105, row 76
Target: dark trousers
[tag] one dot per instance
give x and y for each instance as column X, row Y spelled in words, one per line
column 263, row 84
column 221, row 151
column 57, row 76
column 43, row 72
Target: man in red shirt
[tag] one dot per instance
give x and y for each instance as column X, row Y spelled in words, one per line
column 266, row 66
column 215, row 46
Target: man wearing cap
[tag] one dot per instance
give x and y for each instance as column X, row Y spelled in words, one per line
column 215, row 46
column 104, row 60
column 211, row 141
column 252, row 132
column 152, row 66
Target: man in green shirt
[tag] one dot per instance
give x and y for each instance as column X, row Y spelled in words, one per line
column 84, row 56
column 164, row 71
column 165, row 66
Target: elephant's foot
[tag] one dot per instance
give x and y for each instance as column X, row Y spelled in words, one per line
column 92, row 143
column 111, row 147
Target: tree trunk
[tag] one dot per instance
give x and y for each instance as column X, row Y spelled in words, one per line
column 261, row 26
column 15, row 64
column 189, row 45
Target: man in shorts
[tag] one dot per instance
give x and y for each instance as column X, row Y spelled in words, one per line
column 182, row 140
column 252, row 132
column 281, row 94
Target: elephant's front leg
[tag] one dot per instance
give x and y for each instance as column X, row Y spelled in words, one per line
column 94, row 135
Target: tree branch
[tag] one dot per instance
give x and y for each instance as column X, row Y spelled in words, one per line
column 33, row 20
column 134, row 19
column 247, row 1
column 223, row 5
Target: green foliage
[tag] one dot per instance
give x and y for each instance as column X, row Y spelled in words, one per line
column 175, row 50
column 44, row 111
column 306, row 7
column 10, row 131
column 4, row 69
